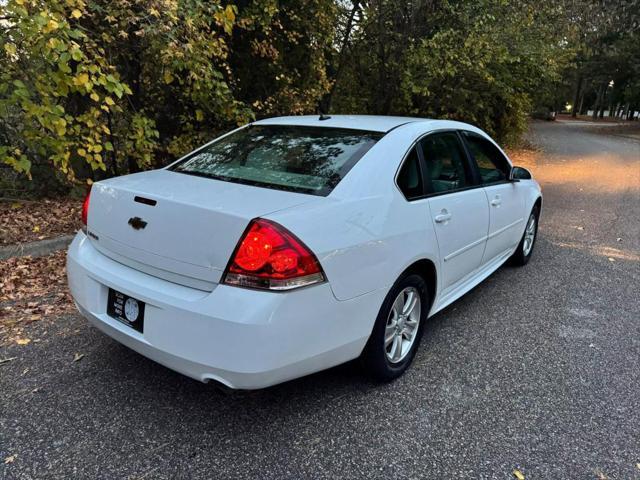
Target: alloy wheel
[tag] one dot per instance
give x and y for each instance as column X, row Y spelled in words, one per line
column 529, row 235
column 402, row 324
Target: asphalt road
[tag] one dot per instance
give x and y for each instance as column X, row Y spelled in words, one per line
column 536, row 369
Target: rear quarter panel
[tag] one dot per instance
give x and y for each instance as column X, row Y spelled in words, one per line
column 363, row 245
column 365, row 234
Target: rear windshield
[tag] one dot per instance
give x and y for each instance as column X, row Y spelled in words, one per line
column 300, row 159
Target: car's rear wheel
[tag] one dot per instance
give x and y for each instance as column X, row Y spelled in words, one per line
column 525, row 248
column 398, row 328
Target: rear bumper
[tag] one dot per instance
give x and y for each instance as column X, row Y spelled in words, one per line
column 242, row 338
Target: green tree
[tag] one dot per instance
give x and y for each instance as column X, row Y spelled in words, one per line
column 57, row 88
column 485, row 62
column 93, row 88
column 607, row 39
column 118, row 86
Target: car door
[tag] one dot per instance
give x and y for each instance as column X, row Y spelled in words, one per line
column 458, row 207
column 506, row 202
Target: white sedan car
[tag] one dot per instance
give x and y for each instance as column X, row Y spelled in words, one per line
column 294, row 244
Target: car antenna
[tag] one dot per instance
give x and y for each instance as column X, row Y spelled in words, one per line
column 324, row 117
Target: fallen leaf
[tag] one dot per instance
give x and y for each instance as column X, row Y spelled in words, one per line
column 53, row 217
column 10, row 459
column 78, row 356
column 518, row 474
column 23, row 341
column 36, row 229
column 36, row 287
column 612, row 259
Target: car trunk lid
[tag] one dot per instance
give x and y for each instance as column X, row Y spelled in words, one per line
column 176, row 226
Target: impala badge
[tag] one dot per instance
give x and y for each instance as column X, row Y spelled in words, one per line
column 137, row 223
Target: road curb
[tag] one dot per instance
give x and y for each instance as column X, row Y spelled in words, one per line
column 36, row 249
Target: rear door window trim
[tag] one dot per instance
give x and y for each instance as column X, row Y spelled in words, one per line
column 468, row 165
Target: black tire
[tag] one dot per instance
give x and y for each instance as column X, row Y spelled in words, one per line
column 374, row 357
column 519, row 258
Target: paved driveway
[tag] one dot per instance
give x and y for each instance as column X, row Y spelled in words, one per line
column 536, row 369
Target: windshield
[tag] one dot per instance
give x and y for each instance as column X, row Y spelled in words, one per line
column 301, row 159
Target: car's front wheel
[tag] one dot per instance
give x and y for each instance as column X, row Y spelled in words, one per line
column 525, row 248
column 398, row 328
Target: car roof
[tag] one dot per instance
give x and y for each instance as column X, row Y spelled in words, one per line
column 373, row 123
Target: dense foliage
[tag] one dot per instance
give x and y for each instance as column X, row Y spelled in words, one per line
column 606, row 71
column 93, row 88
column 484, row 62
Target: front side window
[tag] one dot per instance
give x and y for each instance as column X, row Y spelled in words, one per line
column 492, row 164
column 285, row 157
column 444, row 159
column 409, row 177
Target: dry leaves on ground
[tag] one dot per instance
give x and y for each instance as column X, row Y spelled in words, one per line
column 31, row 289
column 525, row 156
column 28, row 221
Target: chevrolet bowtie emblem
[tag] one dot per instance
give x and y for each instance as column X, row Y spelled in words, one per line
column 137, row 223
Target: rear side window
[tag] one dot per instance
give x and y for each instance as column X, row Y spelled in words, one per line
column 409, row 177
column 301, row 159
column 492, row 164
column 444, row 160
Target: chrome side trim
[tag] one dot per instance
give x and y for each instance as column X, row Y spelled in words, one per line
column 464, row 249
column 504, row 229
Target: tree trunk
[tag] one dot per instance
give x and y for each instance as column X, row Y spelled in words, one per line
column 581, row 109
column 326, row 102
column 603, row 101
column 611, row 107
column 596, row 107
column 577, row 96
column 382, row 62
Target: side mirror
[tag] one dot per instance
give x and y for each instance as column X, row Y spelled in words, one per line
column 518, row 173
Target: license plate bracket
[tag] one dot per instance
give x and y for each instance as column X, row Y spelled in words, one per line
column 126, row 309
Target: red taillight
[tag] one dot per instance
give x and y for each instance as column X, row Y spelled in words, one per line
column 85, row 207
column 270, row 257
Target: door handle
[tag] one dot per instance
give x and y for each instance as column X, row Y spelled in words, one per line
column 443, row 217
column 496, row 202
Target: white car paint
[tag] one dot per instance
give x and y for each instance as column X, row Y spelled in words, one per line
column 364, row 234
